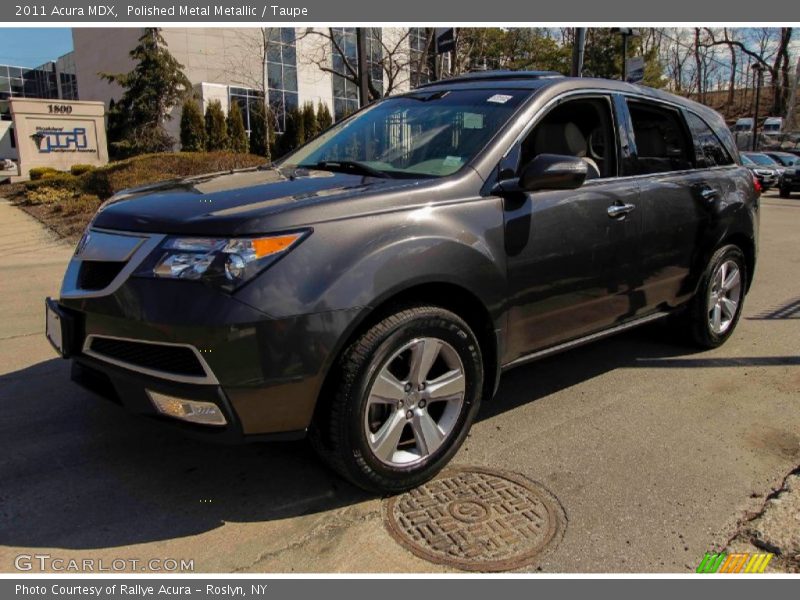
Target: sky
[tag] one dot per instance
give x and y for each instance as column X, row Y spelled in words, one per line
column 31, row 46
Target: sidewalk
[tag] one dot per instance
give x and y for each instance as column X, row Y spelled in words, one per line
column 32, row 263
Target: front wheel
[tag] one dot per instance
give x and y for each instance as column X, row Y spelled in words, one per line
column 407, row 392
column 717, row 305
column 784, row 192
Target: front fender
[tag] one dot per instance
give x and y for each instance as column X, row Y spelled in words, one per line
column 360, row 262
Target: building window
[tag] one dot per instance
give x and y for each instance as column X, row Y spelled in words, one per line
column 344, row 47
column 69, row 86
column 246, row 99
column 5, row 84
column 375, row 58
column 281, row 74
column 418, row 43
column 19, row 82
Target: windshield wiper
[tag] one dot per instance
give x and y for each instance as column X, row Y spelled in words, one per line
column 347, row 166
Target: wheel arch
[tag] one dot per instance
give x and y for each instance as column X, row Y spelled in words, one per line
column 748, row 248
column 444, row 294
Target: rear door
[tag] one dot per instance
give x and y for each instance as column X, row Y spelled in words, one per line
column 679, row 194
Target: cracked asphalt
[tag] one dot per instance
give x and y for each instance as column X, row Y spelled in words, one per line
column 657, row 452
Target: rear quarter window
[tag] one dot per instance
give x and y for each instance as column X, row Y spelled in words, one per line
column 708, row 148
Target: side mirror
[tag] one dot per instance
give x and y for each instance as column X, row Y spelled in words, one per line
column 553, row 172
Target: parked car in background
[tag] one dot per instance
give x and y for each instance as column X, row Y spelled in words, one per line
column 790, row 178
column 369, row 289
column 785, row 159
column 8, row 168
column 766, row 170
column 772, row 126
column 744, row 125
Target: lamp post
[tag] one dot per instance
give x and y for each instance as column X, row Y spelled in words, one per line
column 625, row 32
column 758, row 69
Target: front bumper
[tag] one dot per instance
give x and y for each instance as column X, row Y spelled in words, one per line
column 264, row 378
column 790, row 182
column 193, row 341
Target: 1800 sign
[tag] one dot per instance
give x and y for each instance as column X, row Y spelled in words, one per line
column 59, row 109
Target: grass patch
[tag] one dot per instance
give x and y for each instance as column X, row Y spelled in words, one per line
column 66, row 201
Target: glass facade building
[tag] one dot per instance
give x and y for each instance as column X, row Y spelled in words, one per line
column 55, row 79
column 281, row 73
column 344, row 61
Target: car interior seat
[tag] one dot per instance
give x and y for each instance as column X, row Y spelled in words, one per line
column 564, row 138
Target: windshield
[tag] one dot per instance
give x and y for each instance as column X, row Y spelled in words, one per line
column 761, row 159
column 786, row 160
column 424, row 134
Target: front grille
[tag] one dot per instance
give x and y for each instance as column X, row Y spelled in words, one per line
column 176, row 360
column 98, row 274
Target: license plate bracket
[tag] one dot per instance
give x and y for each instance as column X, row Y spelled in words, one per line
column 59, row 328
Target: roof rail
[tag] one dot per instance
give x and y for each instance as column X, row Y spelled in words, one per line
column 495, row 75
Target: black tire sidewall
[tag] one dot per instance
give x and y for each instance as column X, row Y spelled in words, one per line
column 702, row 329
column 431, row 323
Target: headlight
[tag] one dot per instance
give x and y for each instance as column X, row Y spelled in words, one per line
column 227, row 263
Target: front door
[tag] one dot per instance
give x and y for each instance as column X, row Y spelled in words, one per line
column 572, row 254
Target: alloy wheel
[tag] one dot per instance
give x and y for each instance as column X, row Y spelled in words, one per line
column 415, row 402
column 724, row 296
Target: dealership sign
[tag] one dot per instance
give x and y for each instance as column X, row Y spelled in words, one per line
column 61, row 139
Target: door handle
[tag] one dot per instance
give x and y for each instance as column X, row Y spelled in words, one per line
column 617, row 211
column 709, row 194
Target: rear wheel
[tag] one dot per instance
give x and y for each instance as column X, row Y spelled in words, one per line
column 715, row 310
column 407, row 393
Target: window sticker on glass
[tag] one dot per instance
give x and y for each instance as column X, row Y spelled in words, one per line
column 472, row 121
column 499, row 98
column 452, row 161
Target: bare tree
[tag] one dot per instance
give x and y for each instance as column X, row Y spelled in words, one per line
column 395, row 58
column 791, row 105
column 770, row 49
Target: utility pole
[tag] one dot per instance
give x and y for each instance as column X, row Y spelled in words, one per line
column 759, row 73
column 363, row 68
column 578, row 47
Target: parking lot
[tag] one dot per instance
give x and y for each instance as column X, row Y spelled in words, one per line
column 654, row 451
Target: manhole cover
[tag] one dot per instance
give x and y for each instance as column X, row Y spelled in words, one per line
column 476, row 519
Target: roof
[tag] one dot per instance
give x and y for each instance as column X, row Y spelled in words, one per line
column 539, row 80
column 498, row 75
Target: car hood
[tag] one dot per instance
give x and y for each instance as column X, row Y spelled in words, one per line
column 244, row 201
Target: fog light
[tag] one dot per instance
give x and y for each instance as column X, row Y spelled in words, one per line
column 194, row 411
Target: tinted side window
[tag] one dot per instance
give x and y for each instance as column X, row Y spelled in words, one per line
column 582, row 127
column 708, row 150
column 662, row 143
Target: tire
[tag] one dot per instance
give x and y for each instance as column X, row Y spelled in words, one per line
column 699, row 319
column 355, row 432
column 784, row 192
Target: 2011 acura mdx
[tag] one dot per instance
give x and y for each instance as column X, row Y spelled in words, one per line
column 369, row 288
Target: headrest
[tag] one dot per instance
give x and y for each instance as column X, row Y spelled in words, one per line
column 560, row 138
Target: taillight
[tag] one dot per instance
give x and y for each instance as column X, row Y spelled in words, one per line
column 757, row 185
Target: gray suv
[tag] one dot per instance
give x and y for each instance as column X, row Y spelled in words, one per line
column 369, row 289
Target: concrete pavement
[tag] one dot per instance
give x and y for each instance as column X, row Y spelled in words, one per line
column 655, row 451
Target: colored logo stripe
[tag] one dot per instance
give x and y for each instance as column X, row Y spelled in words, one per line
column 738, row 562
